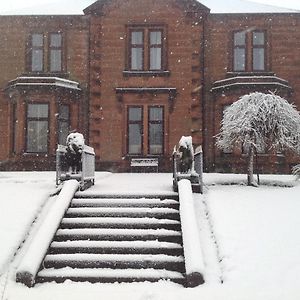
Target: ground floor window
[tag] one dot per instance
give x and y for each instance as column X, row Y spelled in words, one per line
column 145, row 130
column 63, row 123
column 156, row 130
column 14, row 118
column 37, row 128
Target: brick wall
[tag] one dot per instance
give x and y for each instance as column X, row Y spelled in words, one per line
column 198, row 49
column 283, row 44
column 14, row 31
column 108, row 61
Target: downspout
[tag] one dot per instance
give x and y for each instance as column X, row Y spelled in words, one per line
column 202, row 91
column 88, row 92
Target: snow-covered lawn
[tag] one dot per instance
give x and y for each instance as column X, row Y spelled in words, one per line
column 258, row 234
column 21, row 197
column 255, row 232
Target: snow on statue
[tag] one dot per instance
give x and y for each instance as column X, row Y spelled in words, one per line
column 260, row 121
column 75, row 144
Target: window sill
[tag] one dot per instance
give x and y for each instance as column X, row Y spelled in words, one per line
column 36, row 154
column 146, row 73
column 247, row 73
column 47, row 74
column 143, row 156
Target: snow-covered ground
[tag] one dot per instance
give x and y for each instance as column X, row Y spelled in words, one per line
column 250, row 237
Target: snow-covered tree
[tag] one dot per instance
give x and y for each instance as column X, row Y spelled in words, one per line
column 260, row 121
column 296, row 171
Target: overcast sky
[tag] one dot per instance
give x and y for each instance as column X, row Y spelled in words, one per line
column 11, row 5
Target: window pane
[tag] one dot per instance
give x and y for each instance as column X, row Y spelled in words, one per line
column 137, row 38
column 259, row 59
column 63, row 124
column 55, row 40
column 135, row 114
column 55, row 61
column 37, row 111
column 155, row 58
column 14, row 127
column 37, row 60
column 63, row 132
column 64, row 112
column 37, row 40
column 135, row 139
column 37, row 136
column 136, row 58
column 155, row 37
column 239, row 59
column 239, row 39
column 156, row 114
column 155, row 138
column 258, row 38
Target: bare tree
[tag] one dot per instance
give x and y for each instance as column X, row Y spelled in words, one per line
column 258, row 121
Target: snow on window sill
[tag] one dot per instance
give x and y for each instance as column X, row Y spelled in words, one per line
column 36, row 154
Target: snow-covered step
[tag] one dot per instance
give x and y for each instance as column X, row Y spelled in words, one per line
column 120, row 261
column 116, row 247
column 120, row 222
column 108, row 275
column 118, row 234
column 113, row 195
column 117, row 239
column 123, row 202
column 157, row 212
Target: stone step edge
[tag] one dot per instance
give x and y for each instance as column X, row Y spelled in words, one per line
column 111, row 273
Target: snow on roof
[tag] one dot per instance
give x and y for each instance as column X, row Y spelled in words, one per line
column 63, row 7
column 243, row 6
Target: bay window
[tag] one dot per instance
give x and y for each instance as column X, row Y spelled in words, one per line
column 37, row 128
column 63, row 123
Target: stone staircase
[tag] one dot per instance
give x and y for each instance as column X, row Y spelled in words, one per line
column 117, row 239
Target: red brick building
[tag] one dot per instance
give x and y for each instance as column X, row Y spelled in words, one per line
column 134, row 76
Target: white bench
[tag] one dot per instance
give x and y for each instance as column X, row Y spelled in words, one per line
column 144, row 163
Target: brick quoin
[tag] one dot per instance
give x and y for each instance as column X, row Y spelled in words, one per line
column 197, row 56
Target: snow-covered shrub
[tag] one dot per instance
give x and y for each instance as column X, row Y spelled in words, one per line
column 260, row 121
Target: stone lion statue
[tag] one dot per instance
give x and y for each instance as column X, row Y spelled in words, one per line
column 186, row 154
column 75, row 145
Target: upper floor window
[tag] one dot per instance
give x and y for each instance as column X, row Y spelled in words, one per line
column 249, row 51
column 155, row 48
column 45, row 52
column 146, row 47
column 258, row 50
column 239, row 55
column 37, row 52
column 55, row 52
